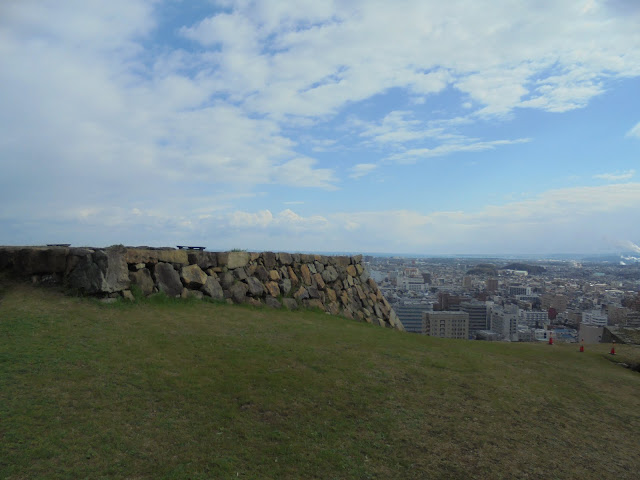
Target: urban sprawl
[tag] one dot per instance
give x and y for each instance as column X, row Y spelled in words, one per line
column 491, row 299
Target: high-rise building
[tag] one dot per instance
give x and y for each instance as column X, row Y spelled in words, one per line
column 504, row 322
column 477, row 315
column 519, row 290
column 492, row 284
column 446, row 324
column 410, row 314
column 448, row 302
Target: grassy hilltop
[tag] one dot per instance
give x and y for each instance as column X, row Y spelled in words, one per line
column 185, row 389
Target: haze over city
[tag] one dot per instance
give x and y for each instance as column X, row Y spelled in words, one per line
column 412, row 127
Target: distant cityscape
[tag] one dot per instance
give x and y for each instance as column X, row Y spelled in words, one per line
column 501, row 300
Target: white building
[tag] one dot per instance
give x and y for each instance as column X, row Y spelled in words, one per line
column 519, row 290
column 595, row 317
column 504, row 322
column 411, row 279
column 533, row 317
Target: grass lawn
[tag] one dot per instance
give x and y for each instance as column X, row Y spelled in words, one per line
column 186, row 389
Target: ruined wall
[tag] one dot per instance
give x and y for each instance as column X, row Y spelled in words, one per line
column 339, row 285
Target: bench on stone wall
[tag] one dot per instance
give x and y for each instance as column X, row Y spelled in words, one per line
column 184, row 247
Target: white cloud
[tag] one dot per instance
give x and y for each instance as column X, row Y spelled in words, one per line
column 617, row 176
column 102, row 117
column 362, row 169
column 467, row 145
column 635, row 131
column 503, row 56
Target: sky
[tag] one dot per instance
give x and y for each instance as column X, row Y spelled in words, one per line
column 424, row 127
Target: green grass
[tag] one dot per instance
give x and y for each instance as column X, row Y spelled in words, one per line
column 184, row 389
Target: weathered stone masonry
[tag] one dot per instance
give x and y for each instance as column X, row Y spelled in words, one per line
column 339, row 285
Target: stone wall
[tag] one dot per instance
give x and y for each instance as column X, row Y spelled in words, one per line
column 339, row 285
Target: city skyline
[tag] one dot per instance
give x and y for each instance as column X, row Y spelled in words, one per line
column 408, row 127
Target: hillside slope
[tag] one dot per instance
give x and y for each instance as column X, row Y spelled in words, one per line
column 185, row 389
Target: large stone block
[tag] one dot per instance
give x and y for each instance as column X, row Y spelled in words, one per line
column 306, row 274
column 167, row 279
column 293, row 277
column 193, row 277
column 313, row 292
column 285, row 258
column 233, row 260
column 272, row 302
column 33, row 260
column 239, row 292
column 213, row 289
column 319, row 281
column 285, row 286
column 226, row 280
column 256, row 289
column 340, row 261
column 262, row 273
column 330, row 274
column 273, row 289
column 269, row 259
column 166, row 255
column 104, row 271
column 203, row 259
column 301, row 294
column 290, row 303
column 142, row 278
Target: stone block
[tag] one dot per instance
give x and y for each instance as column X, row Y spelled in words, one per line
column 301, row 294
column 293, row 277
column 274, row 275
column 226, row 280
column 262, row 273
column 290, row 303
column 33, row 260
column 319, row 281
column 330, row 274
column 331, row 294
column 193, row 277
column 142, row 278
column 306, row 274
column 269, row 260
column 285, row 258
column 239, row 273
column 273, row 289
column 313, row 292
column 233, row 260
column 273, row 302
column 167, row 279
column 256, row 289
column 213, row 289
column 203, row 259
column 285, row 286
column 166, row 255
column 104, row 271
column 239, row 292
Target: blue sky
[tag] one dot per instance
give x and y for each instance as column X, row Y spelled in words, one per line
column 422, row 126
